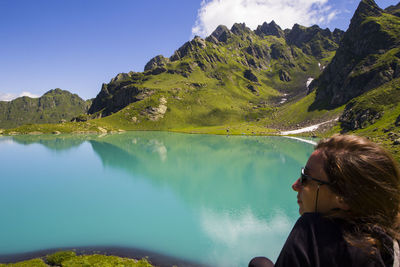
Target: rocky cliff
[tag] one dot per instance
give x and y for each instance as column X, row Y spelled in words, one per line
column 367, row 59
column 368, row 56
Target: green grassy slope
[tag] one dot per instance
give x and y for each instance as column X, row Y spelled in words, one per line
column 385, row 100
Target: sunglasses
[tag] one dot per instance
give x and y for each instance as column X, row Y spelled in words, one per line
column 304, row 178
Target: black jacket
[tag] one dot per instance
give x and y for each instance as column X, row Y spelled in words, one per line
column 318, row 241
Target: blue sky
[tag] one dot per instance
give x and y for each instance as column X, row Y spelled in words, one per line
column 77, row 45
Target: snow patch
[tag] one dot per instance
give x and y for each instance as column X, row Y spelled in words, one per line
column 307, row 129
column 309, row 80
column 302, row 140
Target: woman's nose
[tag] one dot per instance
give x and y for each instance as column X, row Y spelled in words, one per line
column 296, row 186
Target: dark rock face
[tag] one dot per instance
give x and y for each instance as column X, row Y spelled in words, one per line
column 249, row 75
column 353, row 71
column 221, row 34
column 313, row 40
column 183, row 69
column 270, row 29
column 280, row 51
column 116, row 95
column 357, row 119
column 284, row 76
column 156, row 71
column 260, row 52
column 189, row 48
column 253, row 89
column 240, row 29
column 261, row 56
column 158, row 61
column 397, row 122
column 395, row 10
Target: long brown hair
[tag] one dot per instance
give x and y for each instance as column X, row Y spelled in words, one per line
column 368, row 179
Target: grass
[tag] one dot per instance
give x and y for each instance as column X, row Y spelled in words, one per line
column 389, row 23
column 70, row 259
column 295, row 113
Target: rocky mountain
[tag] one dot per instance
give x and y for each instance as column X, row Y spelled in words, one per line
column 53, row 107
column 367, row 59
column 234, row 74
column 258, row 81
column 395, row 10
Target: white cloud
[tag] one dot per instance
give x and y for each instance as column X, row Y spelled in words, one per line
column 254, row 12
column 28, row 94
column 10, row 96
column 237, row 237
column 7, row 96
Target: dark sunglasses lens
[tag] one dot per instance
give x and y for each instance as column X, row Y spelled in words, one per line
column 303, row 179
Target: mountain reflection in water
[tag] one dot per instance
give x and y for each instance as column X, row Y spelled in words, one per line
column 215, row 200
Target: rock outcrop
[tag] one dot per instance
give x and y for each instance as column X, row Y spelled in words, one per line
column 395, row 10
column 270, row 29
column 155, row 62
column 313, row 40
column 220, row 34
column 117, row 94
column 397, row 122
column 189, row 48
column 248, row 74
column 284, row 76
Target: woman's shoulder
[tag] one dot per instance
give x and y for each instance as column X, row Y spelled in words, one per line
column 316, row 240
column 318, row 221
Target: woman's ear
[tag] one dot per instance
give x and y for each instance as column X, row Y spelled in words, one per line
column 341, row 203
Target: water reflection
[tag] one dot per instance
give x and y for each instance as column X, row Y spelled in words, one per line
column 210, row 170
column 211, row 199
column 235, row 235
column 52, row 142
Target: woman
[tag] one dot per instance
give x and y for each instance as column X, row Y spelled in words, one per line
column 349, row 201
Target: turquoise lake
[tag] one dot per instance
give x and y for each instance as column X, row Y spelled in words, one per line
column 212, row 200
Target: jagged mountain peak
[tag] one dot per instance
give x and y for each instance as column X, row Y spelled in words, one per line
column 394, row 10
column 313, row 40
column 195, row 44
column 53, row 91
column 240, row 29
column 366, row 8
column 157, row 61
column 57, row 91
column 269, row 29
column 220, row 34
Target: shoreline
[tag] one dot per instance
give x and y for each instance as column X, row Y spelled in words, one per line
column 154, row 258
column 236, row 129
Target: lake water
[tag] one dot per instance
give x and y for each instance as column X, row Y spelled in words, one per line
column 212, row 200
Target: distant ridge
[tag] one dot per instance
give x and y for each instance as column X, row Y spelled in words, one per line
column 54, row 106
